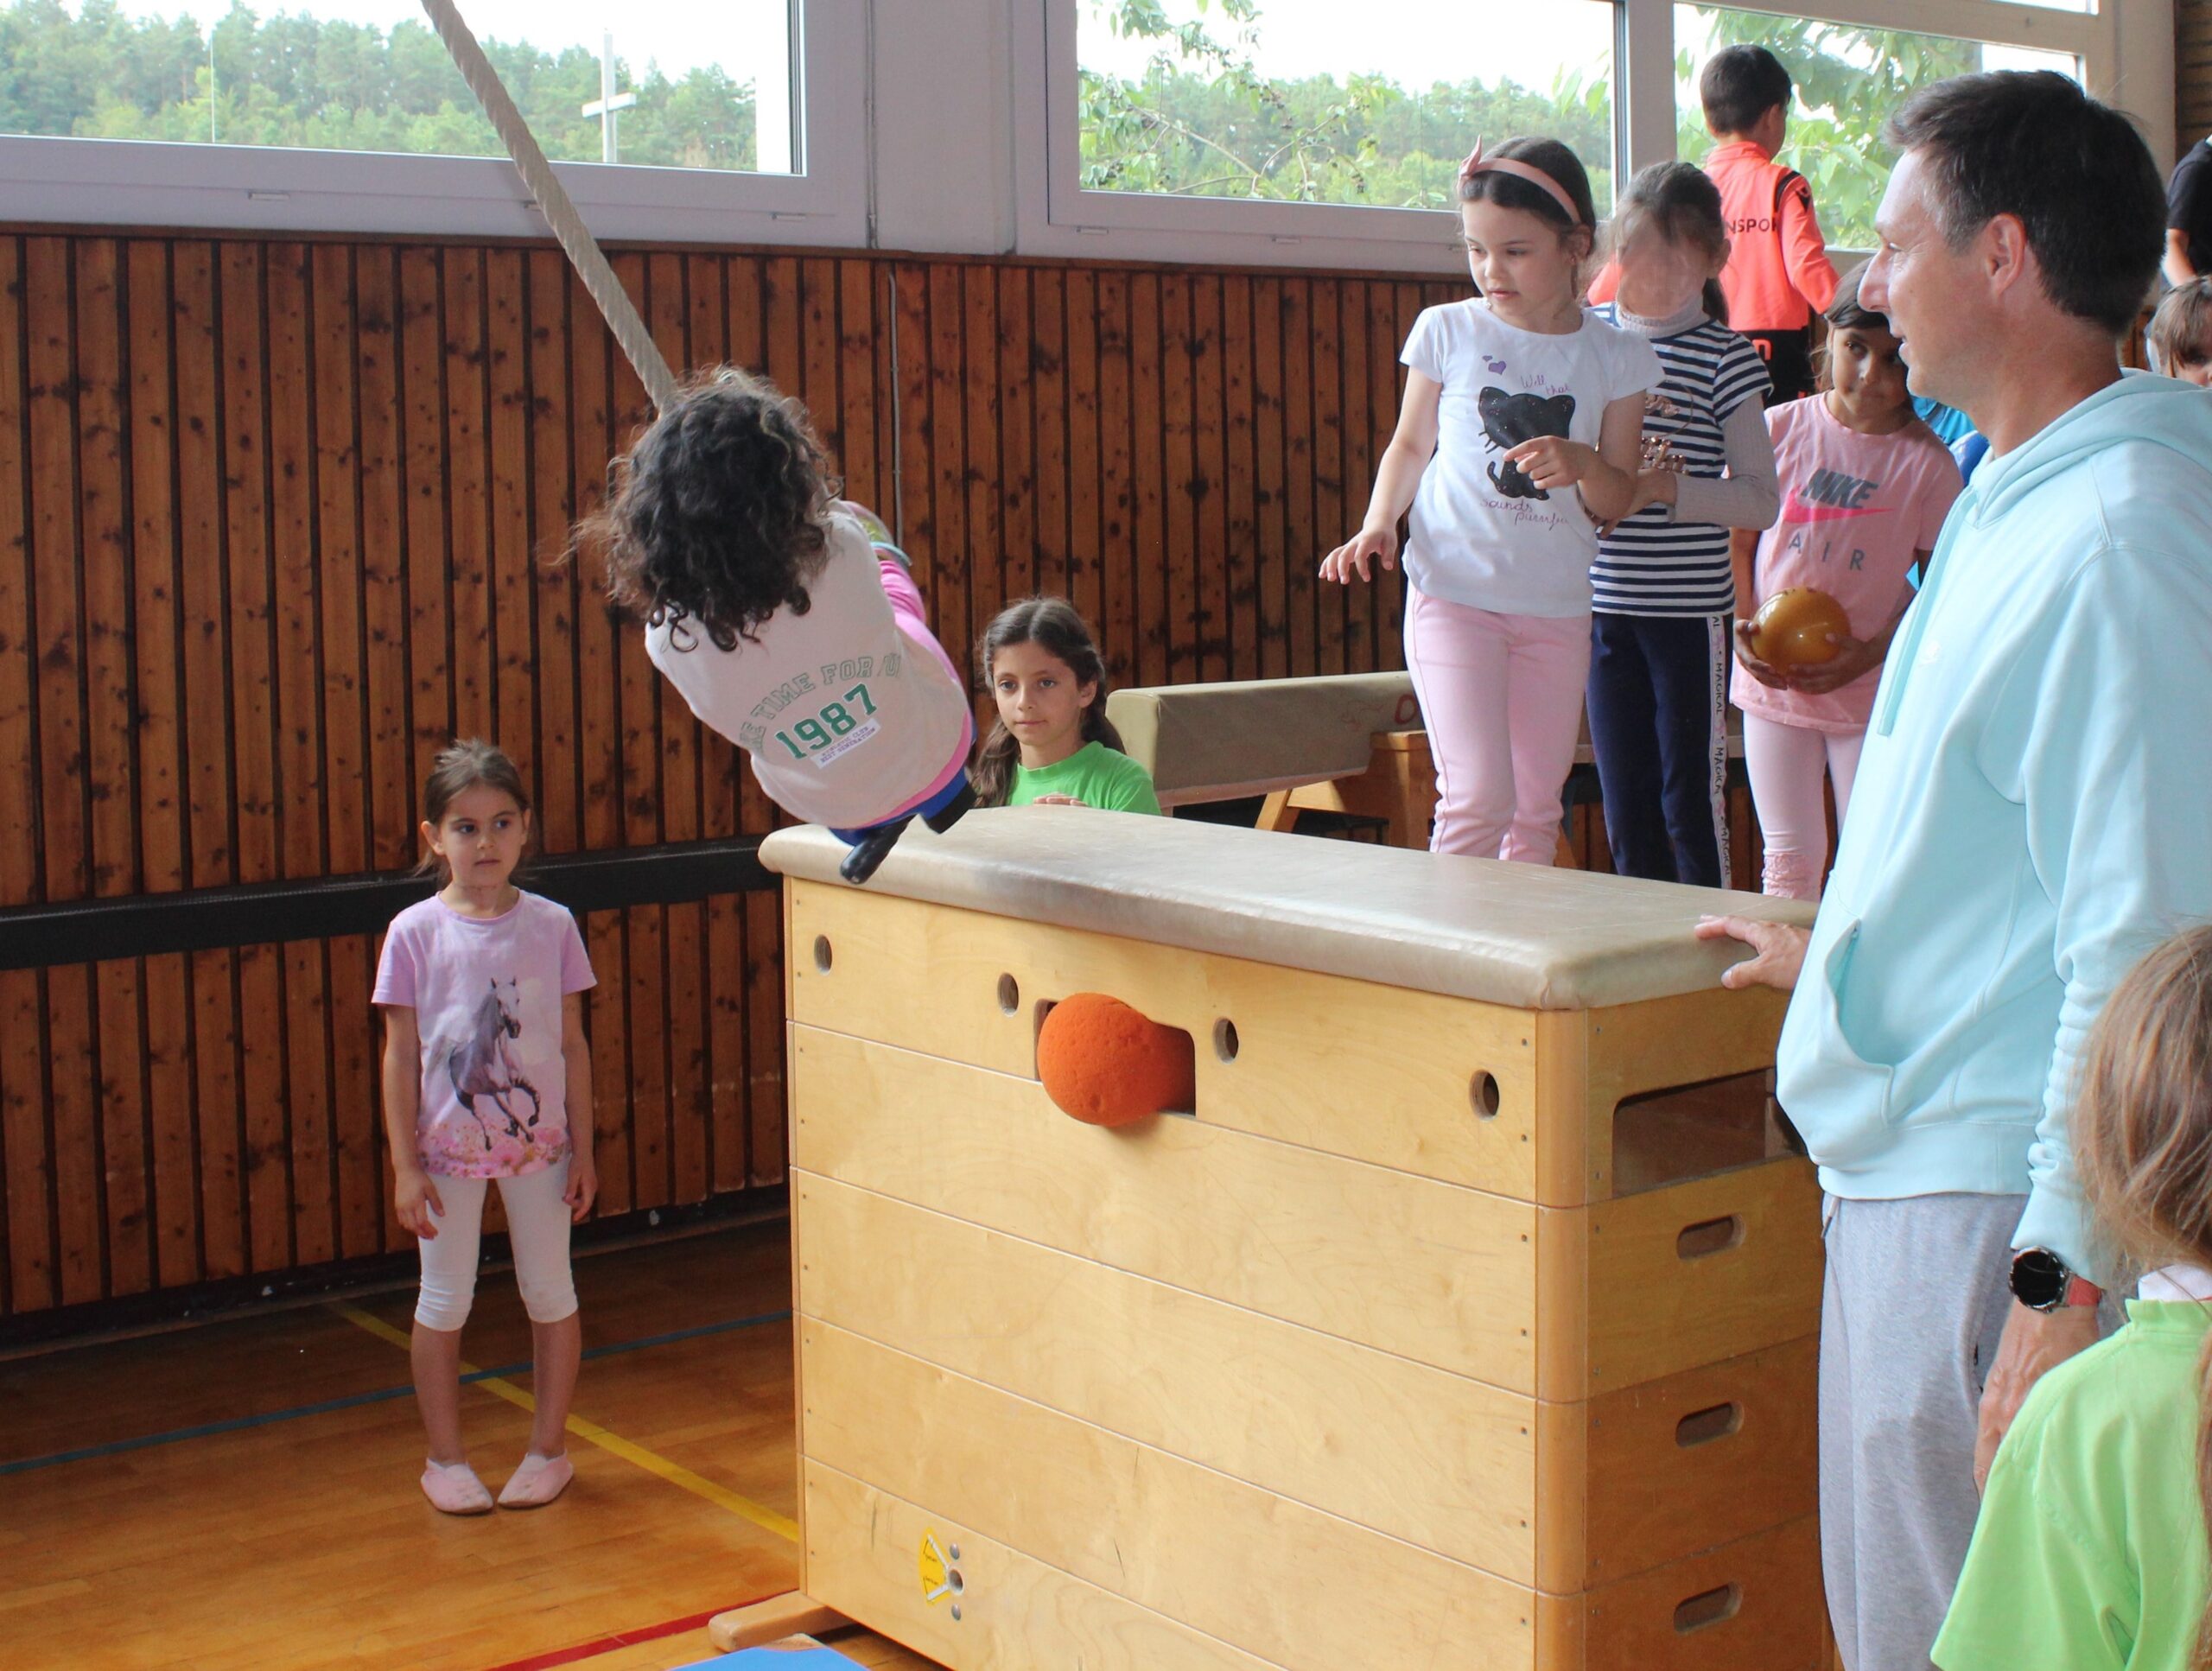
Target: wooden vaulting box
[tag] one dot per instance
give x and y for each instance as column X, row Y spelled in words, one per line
column 1467, row 1320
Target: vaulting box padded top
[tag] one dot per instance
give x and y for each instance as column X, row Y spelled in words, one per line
column 1216, row 742
column 1517, row 935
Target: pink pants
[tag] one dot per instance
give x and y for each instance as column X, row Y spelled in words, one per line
column 1503, row 698
column 1787, row 765
column 914, row 620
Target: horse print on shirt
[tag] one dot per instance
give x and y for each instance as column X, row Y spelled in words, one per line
column 483, row 1065
column 1509, row 419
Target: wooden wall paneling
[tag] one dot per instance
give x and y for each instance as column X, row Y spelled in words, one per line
column 760, row 1158
column 301, row 742
column 58, row 623
column 638, row 699
column 26, row 1138
column 684, row 926
column 241, row 323
column 20, row 859
column 393, row 781
column 1085, row 442
column 512, row 589
column 598, row 750
column 71, row 1087
column 103, row 527
column 333, row 393
column 981, row 471
column 1304, row 543
column 267, row 1154
column 1046, row 358
column 821, row 353
column 1273, row 557
column 1362, row 449
column 210, row 806
column 945, row 454
column 1330, row 496
column 466, row 569
column 1152, row 600
column 1016, row 472
column 1386, row 329
column 301, row 739
column 1239, row 627
column 1115, row 618
column 429, row 542
column 26, row 1149
column 720, row 921
column 353, row 1036
column 1180, row 476
column 1210, row 482
column 562, row 586
column 859, row 349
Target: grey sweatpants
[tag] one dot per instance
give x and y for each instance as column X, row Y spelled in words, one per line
column 1915, row 1300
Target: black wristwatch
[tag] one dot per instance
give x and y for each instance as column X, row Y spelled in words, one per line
column 2041, row 1282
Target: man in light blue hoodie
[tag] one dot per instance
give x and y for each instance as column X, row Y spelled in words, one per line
column 2033, row 811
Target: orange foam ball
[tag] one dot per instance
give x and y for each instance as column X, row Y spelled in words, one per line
column 1107, row 1064
column 1791, row 628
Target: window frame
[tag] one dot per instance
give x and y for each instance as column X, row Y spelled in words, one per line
column 1056, row 217
column 273, row 189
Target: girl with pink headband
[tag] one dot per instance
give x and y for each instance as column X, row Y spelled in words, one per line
column 1520, row 432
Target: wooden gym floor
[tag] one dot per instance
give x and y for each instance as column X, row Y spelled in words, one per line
column 243, row 1494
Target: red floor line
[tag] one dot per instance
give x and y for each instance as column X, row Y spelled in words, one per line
column 589, row 1650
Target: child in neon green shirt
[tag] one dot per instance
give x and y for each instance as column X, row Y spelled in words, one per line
column 1053, row 745
column 2090, row 1552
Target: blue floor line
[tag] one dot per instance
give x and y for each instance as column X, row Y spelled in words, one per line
column 208, row 1430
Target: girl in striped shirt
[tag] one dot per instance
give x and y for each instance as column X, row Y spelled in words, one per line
column 1661, row 586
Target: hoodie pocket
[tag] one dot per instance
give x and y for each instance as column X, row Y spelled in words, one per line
column 1845, row 1096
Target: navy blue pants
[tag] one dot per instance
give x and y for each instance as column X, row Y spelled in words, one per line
column 1658, row 699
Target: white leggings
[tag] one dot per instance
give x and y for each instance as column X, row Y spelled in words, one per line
column 537, row 1226
column 1786, row 764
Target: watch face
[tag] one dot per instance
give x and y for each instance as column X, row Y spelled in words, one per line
column 2038, row 1280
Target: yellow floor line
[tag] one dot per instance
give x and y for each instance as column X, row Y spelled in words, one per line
column 720, row 1495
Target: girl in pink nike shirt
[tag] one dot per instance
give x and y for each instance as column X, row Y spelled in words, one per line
column 1866, row 487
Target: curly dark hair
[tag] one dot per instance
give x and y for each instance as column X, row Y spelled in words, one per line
column 717, row 512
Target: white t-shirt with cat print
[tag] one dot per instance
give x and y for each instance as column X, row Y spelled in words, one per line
column 1483, row 534
column 486, row 993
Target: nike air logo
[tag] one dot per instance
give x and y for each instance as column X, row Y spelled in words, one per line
column 1795, row 509
column 1830, row 496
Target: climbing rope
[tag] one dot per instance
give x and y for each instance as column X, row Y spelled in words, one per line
column 583, row 250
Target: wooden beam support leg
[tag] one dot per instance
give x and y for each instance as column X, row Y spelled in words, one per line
column 793, row 1614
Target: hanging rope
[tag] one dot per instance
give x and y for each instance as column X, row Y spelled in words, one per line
column 583, row 250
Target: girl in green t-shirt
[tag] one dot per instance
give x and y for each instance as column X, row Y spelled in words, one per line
column 2090, row 1552
column 1053, row 745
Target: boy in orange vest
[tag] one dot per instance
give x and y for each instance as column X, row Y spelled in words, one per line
column 1778, row 274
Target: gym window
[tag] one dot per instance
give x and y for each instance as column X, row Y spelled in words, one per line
column 347, row 115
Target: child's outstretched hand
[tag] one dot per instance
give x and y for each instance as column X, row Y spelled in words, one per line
column 1356, row 555
column 1773, row 677
column 583, row 1185
column 1058, row 800
column 1553, row 460
column 415, row 1197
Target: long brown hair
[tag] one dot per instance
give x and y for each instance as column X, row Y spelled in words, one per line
column 1053, row 625
column 2142, row 1140
column 469, row 763
column 718, row 517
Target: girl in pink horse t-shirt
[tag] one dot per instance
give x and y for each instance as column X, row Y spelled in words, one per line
column 486, row 1076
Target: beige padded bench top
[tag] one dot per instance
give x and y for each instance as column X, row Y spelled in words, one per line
column 1217, row 742
column 1517, row 935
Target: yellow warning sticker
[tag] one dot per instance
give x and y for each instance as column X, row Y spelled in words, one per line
column 937, row 1583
